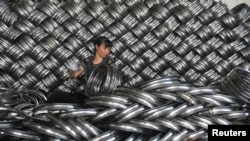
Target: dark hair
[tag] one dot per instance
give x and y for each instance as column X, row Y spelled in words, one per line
column 102, row 40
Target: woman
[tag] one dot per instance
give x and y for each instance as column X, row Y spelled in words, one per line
column 102, row 50
column 101, row 57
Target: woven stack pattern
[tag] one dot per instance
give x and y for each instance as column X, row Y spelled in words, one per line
column 200, row 41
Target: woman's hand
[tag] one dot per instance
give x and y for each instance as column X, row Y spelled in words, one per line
column 75, row 74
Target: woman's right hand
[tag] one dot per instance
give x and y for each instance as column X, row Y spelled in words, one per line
column 75, row 74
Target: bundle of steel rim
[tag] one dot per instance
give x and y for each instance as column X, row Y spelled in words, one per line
column 104, row 79
column 237, row 83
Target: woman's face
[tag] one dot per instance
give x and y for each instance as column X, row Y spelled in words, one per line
column 102, row 50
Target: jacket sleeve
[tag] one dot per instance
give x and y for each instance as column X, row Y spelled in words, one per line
column 84, row 63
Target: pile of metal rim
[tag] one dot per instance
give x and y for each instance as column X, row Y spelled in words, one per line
column 201, row 41
column 159, row 109
column 184, row 65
